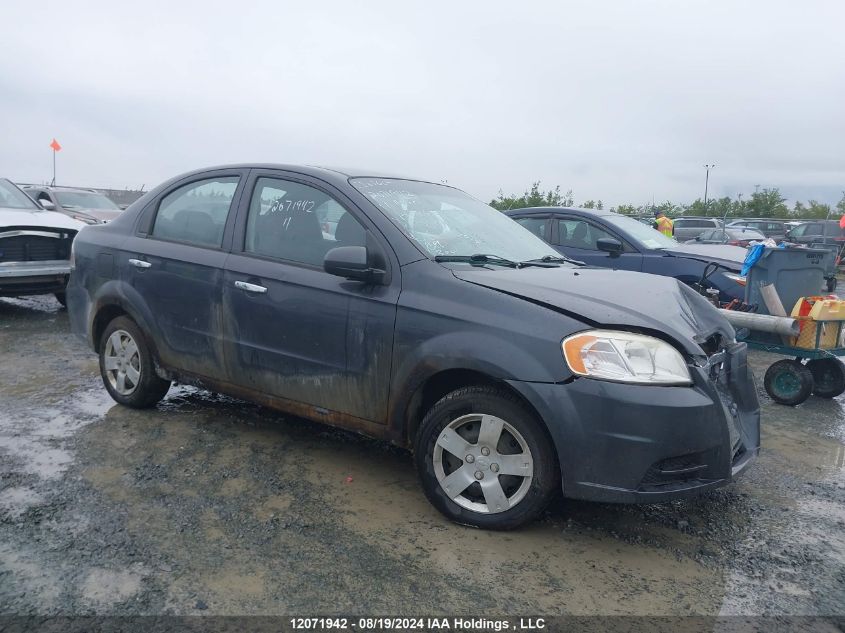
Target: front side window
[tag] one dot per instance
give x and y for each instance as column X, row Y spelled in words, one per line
column 196, row 213
column 292, row 221
column 580, row 234
column 446, row 221
column 13, row 198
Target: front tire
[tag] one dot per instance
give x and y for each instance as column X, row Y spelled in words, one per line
column 788, row 382
column 126, row 366
column 485, row 460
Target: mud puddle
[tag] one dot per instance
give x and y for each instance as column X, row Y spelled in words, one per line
column 210, row 505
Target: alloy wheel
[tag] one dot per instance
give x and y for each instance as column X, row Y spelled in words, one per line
column 122, row 362
column 483, row 463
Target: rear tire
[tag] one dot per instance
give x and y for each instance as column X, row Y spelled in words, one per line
column 492, row 453
column 61, row 298
column 831, row 284
column 788, row 382
column 828, row 377
column 126, row 365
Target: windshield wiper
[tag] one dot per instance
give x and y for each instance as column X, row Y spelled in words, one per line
column 552, row 261
column 479, row 259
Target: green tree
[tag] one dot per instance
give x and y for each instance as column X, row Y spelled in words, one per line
column 625, row 209
column 818, row 210
column 534, row 197
column 840, row 206
column 767, row 203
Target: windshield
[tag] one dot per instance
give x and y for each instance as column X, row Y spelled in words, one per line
column 85, row 200
column 640, row 233
column 445, row 221
column 13, row 198
column 745, row 234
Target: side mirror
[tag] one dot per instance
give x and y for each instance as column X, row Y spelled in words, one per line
column 609, row 245
column 697, row 238
column 47, row 205
column 352, row 262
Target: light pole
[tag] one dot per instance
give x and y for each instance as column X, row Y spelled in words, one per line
column 706, row 183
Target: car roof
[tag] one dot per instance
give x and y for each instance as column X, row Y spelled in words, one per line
column 310, row 170
column 59, row 188
column 561, row 210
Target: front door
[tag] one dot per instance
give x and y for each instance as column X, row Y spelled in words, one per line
column 292, row 330
column 177, row 268
column 578, row 238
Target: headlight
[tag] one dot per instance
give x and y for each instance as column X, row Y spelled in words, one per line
column 735, row 277
column 625, row 357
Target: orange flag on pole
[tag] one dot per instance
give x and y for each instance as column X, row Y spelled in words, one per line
column 55, row 145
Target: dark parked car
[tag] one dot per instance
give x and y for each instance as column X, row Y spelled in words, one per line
column 428, row 319
column 85, row 205
column 611, row 240
column 817, row 232
column 735, row 236
column 775, row 229
column 687, row 228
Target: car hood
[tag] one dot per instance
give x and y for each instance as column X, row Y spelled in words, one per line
column 725, row 254
column 603, row 297
column 103, row 215
column 37, row 217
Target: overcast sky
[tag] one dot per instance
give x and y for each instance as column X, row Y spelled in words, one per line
column 618, row 100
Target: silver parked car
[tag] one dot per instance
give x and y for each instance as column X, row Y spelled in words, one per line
column 85, row 205
column 689, row 228
column 34, row 246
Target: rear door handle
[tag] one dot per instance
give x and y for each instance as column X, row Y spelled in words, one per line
column 140, row 263
column 254, row 288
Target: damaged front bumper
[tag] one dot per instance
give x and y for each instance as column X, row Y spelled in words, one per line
column 23, row 278
column 640, row 444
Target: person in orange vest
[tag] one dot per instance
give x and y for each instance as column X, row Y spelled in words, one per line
column 662, row 223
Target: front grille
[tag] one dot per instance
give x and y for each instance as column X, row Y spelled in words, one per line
column 24, row 245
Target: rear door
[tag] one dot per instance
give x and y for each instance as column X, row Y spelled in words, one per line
column 292, row 330
column 577, row 237
column 175, row 263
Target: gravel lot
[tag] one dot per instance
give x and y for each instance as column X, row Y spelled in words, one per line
column 212, row 505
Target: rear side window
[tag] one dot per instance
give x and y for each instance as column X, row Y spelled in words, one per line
column 292, row 221
column 536, row 225
column 196, row 213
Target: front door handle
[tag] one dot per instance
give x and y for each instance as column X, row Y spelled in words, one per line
column 140, row 263
column 254, row 288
